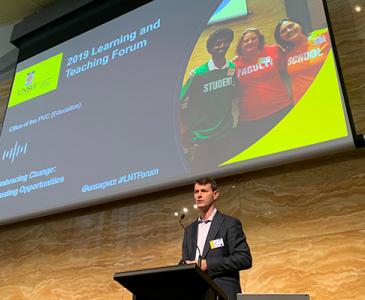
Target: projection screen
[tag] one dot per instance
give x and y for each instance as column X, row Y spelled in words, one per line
column 163, row 94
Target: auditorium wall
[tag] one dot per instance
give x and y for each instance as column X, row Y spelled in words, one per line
column 305, row 222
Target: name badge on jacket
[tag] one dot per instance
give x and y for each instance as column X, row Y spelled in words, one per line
column 218, row 243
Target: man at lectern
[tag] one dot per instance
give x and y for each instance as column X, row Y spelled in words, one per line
column 216, row 242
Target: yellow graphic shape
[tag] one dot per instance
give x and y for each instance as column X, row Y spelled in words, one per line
column 318, row 117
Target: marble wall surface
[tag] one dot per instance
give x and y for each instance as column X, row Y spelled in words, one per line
column 305, row 222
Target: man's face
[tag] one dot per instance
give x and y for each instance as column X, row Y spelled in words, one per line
column 220, row 47
column 204, row 196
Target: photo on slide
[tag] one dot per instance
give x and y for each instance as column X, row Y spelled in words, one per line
column 252, row 80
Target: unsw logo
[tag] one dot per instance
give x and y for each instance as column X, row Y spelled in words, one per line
column 29, row 84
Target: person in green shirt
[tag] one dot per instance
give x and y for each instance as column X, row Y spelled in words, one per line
column 206, row 103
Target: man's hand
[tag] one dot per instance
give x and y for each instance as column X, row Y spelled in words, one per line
column 203, row 266
column 189, row 262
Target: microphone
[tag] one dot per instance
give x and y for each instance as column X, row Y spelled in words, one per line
column 182, row 216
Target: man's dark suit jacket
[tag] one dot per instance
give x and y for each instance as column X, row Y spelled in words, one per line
column 225, row 262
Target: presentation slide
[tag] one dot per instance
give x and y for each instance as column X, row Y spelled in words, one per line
column 160, row 96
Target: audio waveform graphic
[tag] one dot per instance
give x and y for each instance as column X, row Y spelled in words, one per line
column 15, row 151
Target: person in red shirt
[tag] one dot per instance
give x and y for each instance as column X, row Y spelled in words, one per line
column 264, row 96
column 304, row 54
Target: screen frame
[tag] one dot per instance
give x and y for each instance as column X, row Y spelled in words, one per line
column 233, row 170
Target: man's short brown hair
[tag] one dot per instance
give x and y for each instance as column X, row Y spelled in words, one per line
column 207, row 180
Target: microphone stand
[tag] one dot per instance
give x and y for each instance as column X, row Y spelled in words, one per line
column 199, row 257
column 182, row 262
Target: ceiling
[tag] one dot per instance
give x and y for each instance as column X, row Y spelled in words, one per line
column 13, row 11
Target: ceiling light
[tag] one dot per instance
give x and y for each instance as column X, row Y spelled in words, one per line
column 358, row 8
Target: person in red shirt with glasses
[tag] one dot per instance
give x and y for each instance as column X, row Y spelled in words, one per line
column 264, row 96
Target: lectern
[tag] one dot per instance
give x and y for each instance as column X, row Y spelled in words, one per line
column 182, row 282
